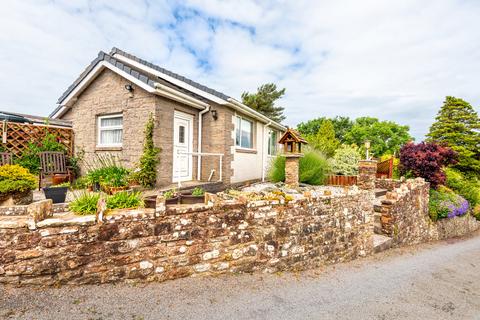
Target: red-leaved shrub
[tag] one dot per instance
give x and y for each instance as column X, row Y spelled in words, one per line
column 426, row 160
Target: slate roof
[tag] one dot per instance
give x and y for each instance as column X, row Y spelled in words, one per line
column 170, row 73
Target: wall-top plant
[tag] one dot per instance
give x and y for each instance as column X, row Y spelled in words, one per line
column 345, row 160
column 147, row 173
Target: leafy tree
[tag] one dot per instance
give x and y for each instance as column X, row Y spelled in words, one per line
column 264, row 99
column 386, row 137
column 457, row 124
column 324, row 140
column 345, row 160
column 341, row 125
column 147, row 175
column 426, row 160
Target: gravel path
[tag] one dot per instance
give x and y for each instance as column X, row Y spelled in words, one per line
column 433, row 281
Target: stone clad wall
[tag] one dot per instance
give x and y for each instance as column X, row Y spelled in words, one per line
column 404, row 213
column 231, row 237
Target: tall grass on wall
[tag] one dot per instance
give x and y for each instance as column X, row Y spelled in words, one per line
column 313, row 170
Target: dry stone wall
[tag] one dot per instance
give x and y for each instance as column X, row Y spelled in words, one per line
column 157, row 245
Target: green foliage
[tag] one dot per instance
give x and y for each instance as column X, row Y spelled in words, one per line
column 313, row 169
column 74, row 162
column 81, row 183
column 386, row 137
column 341, row 125
column 106, row 171
column 197, row 191
column 457, row 124
column 125, row 200
column 467, row 187
column 263, row 101
column 444, row 203
column 14, row 178
column 30, row 159
column 476, row 212
column 147, row 175
column 85, row 204
column 345, row 160
column 324, row 140
column 169, row 194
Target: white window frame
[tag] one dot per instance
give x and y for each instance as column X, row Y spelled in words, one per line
column 100, row 129
column 270, row 144
column 238, row 126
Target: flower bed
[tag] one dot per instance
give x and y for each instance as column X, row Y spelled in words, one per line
column 444, row 203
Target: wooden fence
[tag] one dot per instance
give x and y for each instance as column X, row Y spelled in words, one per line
column 341, row 180
column 15, row 137
column 385, row 169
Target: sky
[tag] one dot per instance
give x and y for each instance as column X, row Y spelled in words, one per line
column 394, row 60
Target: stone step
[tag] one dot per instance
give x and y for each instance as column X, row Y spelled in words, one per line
column 380, row 192
column 381, row 243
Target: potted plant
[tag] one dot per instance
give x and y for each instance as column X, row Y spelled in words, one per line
column 171, row 197
column 196, row 196
column 57, row 193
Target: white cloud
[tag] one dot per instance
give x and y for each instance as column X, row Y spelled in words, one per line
column 392, row 60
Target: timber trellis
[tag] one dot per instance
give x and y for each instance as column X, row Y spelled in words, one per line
column 15, row 137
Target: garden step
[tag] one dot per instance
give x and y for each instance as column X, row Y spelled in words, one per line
column 381, row 243
column 380, row 192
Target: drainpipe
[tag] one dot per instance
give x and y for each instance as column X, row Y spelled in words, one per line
column 263, row 149
column 199, row 148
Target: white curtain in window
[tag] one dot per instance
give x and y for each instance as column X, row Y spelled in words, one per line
column 111, row 122
column 109, row 137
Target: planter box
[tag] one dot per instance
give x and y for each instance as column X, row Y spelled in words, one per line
column 191, row 199
column 57, row 195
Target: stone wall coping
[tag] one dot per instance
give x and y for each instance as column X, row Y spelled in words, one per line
column 147, row 213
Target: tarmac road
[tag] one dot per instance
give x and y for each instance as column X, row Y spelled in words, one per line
column 431, row 281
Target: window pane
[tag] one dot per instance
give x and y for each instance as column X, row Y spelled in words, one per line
column 111, row 122
column 109, row 137
column 246, row 134
column 181, row 134
column 237, row 131
column 272, row 143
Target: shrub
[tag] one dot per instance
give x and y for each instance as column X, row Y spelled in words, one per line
column 147, row 175
column 345, row 160
column 106, row 171
column 444, row 203
column 313, row 169
column 476, row 212
column 467, row 187
column 197, row 191
column 29, row 158
column 125, row 200
column 426, row 160
column 14, row 178
column 85, row 204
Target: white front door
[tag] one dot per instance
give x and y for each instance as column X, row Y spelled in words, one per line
column 182, row 146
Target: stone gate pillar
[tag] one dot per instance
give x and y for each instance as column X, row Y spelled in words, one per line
column 292, row 165
column 367, row 171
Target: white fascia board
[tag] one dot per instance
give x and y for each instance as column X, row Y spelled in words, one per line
column 237, row 105
column 91, row 76
column 179, row 96
column 170, row 79
column 159, row 89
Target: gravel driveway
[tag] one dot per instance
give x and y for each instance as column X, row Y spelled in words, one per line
column 433, row 281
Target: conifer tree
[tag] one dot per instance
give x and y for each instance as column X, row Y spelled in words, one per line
column 458, row 125
column 324, row 140
column 264, row 99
